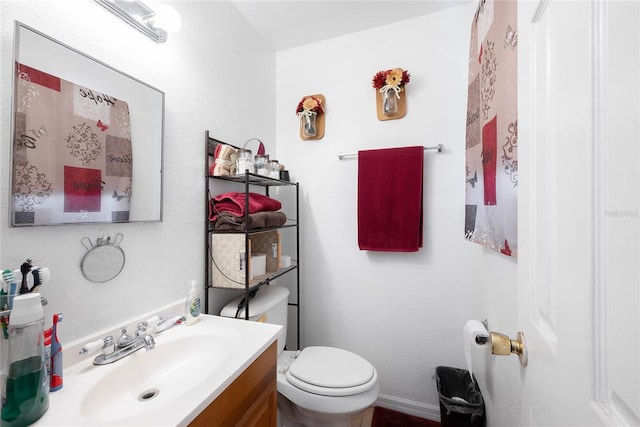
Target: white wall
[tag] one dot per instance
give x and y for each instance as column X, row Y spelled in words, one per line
column 402, row 311
column 214, row 72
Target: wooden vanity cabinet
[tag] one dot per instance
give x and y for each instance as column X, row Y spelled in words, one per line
column 250, row 400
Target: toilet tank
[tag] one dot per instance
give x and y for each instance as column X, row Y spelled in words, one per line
column 271, row 302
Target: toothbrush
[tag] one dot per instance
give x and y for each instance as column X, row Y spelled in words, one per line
column 7, row 276
column 4, row 290
column 41, row 276
column 4, row 319
column 25, row 268
column 56, row 355
column 36, row 279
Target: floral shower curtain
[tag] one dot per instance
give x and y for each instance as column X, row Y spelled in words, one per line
column 492, row 128
column 72, row 154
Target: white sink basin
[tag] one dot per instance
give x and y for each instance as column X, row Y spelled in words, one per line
column 168, row 385
column 147, row 379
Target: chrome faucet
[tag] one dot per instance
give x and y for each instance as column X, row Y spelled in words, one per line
column 124, row 345
column 124, row 339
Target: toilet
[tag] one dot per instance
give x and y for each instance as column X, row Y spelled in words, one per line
column 318, row 386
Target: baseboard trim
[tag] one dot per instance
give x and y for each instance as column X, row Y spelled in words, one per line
column 409, row 407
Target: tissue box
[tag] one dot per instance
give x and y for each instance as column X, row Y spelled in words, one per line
column 258, row 265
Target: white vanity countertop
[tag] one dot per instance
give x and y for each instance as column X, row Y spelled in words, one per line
column 190, row 366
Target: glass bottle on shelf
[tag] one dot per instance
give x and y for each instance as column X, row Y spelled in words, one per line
column 262, row 165
column 274, row 169
column 245, row 162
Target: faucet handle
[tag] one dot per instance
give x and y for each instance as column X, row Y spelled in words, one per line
column 142, row 328
column 91, row 347
column 106, row 344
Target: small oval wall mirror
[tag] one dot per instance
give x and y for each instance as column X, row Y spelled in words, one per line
column 104, row 260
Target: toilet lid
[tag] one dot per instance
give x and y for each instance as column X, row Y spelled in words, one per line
column 331, row 371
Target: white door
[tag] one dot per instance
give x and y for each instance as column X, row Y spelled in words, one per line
column 579, row 261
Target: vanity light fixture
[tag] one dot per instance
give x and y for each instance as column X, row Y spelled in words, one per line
column 152, row 24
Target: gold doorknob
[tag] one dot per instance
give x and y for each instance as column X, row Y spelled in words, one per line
column 503, row 345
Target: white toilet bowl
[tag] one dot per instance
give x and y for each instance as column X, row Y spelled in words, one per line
column 317, row 386
column 324, row 387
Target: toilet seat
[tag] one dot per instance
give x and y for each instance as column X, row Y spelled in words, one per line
column 330, row 371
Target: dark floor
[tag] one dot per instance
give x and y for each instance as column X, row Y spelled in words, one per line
column 387, row 418
column 381, row 417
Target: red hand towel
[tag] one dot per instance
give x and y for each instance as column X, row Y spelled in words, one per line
column 390, row 199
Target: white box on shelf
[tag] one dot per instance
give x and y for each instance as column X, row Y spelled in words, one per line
column 258, row 265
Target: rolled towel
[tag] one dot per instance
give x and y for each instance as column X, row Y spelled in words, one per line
column 223, row 164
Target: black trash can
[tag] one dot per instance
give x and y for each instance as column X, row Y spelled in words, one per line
column 461, row 403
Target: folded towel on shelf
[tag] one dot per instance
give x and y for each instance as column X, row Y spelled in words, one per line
column 390, row 199
column 234, row 204
column 228, row 222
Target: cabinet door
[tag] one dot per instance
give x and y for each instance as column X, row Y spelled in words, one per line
column 250, row 400
column 263, row 412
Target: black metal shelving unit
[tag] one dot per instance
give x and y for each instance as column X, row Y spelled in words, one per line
column 249, row 180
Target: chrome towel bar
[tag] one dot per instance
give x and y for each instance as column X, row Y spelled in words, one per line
column 343, row 156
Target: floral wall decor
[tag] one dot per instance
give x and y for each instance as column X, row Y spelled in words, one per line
column 311, row 113
column 389, row 85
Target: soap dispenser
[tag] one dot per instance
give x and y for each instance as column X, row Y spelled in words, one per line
column 26, row 389
column 192, row 305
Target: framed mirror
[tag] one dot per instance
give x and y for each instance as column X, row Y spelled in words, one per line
column 87, row 138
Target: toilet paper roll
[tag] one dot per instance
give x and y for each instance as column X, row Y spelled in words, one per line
column 473, row 329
